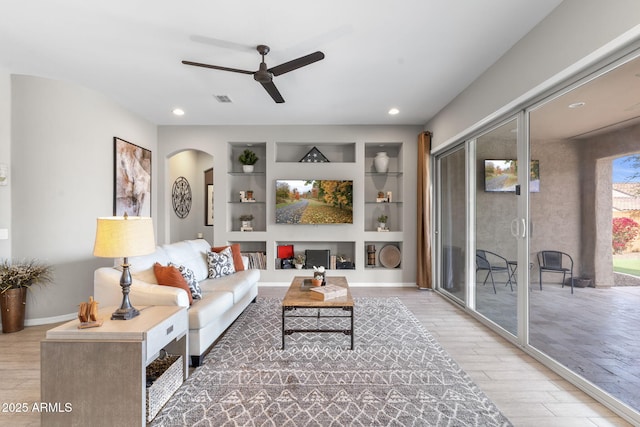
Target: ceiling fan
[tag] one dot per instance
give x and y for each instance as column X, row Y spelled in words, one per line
column 264, row 75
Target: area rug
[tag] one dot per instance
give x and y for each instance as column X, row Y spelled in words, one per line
column 397, row 375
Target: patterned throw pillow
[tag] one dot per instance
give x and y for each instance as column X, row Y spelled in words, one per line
column 190, row 278
column 220, row 263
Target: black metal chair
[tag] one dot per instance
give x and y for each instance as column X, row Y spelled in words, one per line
column 556, row 262
column 492, row 263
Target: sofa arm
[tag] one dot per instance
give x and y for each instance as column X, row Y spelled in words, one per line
column 107, row 291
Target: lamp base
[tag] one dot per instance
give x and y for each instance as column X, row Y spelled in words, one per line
column 126, row 310
column 125, row 313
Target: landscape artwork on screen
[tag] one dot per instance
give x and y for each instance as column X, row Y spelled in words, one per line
column 316, row 201
column 502, row 176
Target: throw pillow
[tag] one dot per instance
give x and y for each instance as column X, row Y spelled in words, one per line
column 189, row 277
column 220, row 263
column 237, row 256
column 170, row 276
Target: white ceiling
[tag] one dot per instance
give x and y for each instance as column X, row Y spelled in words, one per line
column 416, row 55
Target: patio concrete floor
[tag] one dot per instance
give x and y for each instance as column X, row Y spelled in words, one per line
column 595, row 332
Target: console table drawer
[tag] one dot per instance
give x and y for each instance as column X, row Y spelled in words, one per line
column 165, row 332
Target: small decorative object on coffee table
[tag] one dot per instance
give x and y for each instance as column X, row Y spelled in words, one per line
column 318, row 274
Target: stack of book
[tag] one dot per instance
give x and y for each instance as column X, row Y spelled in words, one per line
column 327, row 292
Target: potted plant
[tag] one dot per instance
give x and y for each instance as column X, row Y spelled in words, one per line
column 246, row 220
column 382, row 221
column 248, row 158
column 298, row 261
column 15, row 279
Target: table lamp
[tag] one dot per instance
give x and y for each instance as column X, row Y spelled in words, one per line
column 122, row 237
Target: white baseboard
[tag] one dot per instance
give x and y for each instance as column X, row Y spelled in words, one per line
column 49, row 320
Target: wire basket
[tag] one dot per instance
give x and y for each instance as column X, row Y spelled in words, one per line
column 164, row 376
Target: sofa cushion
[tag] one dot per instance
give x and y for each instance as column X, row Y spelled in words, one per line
column 239, row 284
column 190, row 278
column 220, row 263
column 238, row 264
column 201, row 247
column 182, row 253
column 141, row 267
column 170, row 276
column 209, row 308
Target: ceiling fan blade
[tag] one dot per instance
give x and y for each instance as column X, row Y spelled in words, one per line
column 216, row 67
column 273, row 91
column 296, row 63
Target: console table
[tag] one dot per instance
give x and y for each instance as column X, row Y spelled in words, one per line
column 96, row 376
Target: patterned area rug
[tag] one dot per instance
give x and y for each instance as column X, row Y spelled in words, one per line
column 397, row 375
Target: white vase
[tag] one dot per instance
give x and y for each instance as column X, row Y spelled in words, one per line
column 247, row 168
column 381, row 162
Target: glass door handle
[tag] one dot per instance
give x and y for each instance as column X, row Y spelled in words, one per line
column 515, row 225
column 515, row 228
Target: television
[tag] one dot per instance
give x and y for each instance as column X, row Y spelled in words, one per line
column 502, row 176
column 314, row 201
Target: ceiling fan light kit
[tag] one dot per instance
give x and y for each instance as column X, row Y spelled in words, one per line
column 265, row 75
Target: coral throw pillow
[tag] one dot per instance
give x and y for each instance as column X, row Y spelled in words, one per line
column 171, row 276
column 237, row 256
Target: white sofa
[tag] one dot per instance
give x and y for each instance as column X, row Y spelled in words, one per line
column 223, row 299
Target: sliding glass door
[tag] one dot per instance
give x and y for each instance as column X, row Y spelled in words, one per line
column 451, row 223
column 535, row 230
column 584, row 305
column 496, row 203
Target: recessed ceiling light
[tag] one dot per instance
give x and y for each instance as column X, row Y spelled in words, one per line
column 178, row 111
column 577, row 104
column 394, row 111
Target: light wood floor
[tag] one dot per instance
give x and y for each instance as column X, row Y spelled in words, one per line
column 525, row 391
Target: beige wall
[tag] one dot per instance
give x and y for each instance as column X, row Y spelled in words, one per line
column 62, row 180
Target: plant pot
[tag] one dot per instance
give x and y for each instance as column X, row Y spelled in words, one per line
column 316, row 282
column 12, row 304
column 299, row 266
column 247, row 168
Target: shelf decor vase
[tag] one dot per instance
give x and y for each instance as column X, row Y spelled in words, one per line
column 12, row 304
column 381, row 162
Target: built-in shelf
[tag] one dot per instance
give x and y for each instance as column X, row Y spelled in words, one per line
column 334, row 152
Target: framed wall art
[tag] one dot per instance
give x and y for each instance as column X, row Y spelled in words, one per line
column 131, row 179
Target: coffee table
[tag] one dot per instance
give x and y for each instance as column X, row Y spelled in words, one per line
column 298, row 297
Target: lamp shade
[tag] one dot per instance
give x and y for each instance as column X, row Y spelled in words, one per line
column 120, row 236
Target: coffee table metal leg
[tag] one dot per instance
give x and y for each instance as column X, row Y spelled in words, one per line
column 352, row 333
column 283, row 310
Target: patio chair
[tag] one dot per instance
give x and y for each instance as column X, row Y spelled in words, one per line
column 556, row 262
column 492, row 263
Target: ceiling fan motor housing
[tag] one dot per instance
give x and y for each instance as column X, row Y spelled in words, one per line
column 262, row 75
